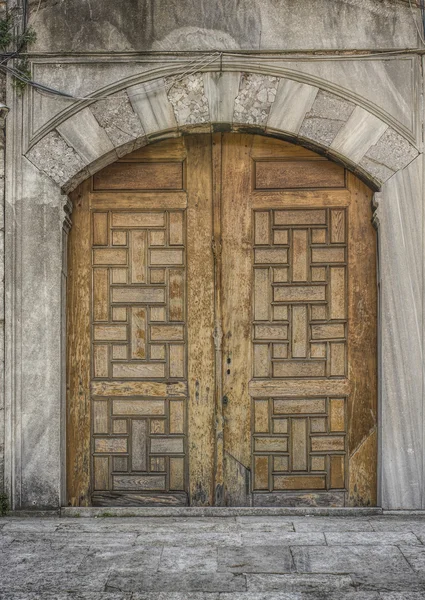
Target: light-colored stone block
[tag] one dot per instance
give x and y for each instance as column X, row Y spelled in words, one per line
column 293, row 100
column 391, row 150
column 326, row 117
column 57, row 159
column 255, row 98
column 221, row 90
column 117, row 117
column 360, row 132
column 88, row 138
column 188, row 99
column 400, row 215
column 377, row 170
column 150, row 102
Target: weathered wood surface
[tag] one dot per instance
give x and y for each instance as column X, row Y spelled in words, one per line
column 362, row 349
column 78, row 351
column 237, row 292
column 271, row 389
column 200, row 306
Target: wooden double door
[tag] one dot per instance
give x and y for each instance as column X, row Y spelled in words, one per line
column 221, row 327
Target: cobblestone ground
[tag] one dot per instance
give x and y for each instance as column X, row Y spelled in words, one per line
column 234, row 558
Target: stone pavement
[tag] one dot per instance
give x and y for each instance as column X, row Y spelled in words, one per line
column 216, row 558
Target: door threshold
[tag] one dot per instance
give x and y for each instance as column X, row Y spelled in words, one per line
column 209, row 511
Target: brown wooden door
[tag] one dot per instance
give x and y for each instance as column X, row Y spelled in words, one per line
column 221, row 329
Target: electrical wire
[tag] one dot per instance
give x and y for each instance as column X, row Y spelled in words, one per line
column 193, row 67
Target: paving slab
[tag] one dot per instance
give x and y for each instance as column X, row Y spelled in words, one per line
column 416, row 559
column 309, row 524
column 190, row 538
column 264, row 524
column 256, row 559
column 414, row 524
column 239, row 557
column 307, row 583
column 137, row 581
column 286, row 538
column 140, row 557
column 65, row 596
column 57, row 581
column 381, row 568
column 197, row 558
column 375, row 538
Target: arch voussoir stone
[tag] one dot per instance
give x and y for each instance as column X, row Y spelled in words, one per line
column 110, row 128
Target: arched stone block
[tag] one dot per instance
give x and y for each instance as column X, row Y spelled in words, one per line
column 111, row 127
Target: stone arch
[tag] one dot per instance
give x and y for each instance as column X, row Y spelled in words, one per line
column 100, row 133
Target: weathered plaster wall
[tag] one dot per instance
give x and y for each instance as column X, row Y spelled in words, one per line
column 141, row 25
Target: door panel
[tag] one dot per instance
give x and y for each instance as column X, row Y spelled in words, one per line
column 222, row 329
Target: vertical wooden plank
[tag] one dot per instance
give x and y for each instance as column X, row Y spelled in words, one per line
column 101, row 473
column 261, row 472
column 337, row 472
column 176, row 294
column 262, row 290
column 299, row 255
column 299, row 444
column 261, row 360
column 216, row 172
column 176, row 237
column 299, row 331
column 100, row 294
column 261, row 416
column 337, row 226
column 262, row 228
column 100, row 416
column 200, row 319
column 138, row 444
column 78, row 420
column 337, row 300
column 101, row 360
column 176, row 362
column 337, row 414
column 100, row 229
column 177, row 474
column 138, row 332
column 362, row 348
column 237, row 313
column 138, row 256
column 176, row 416
column 337, row 358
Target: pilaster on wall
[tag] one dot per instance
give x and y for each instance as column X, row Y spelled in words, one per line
column 401, row 266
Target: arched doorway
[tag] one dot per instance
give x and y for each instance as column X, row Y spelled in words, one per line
column 222, row 329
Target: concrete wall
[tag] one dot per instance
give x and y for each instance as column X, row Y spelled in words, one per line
column 130, row 82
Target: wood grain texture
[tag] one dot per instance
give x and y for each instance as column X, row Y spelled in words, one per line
column 138, row 200
column 362, row 348
column 300, row 263
column 237, row 294
column 273, row 174
column 200, row 302
column 140, row 176
column 78, row 353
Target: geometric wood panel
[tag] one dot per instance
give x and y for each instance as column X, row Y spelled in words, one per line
column 300, row 304
column 138, row 333
column 300, row 333
column 299, row 444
